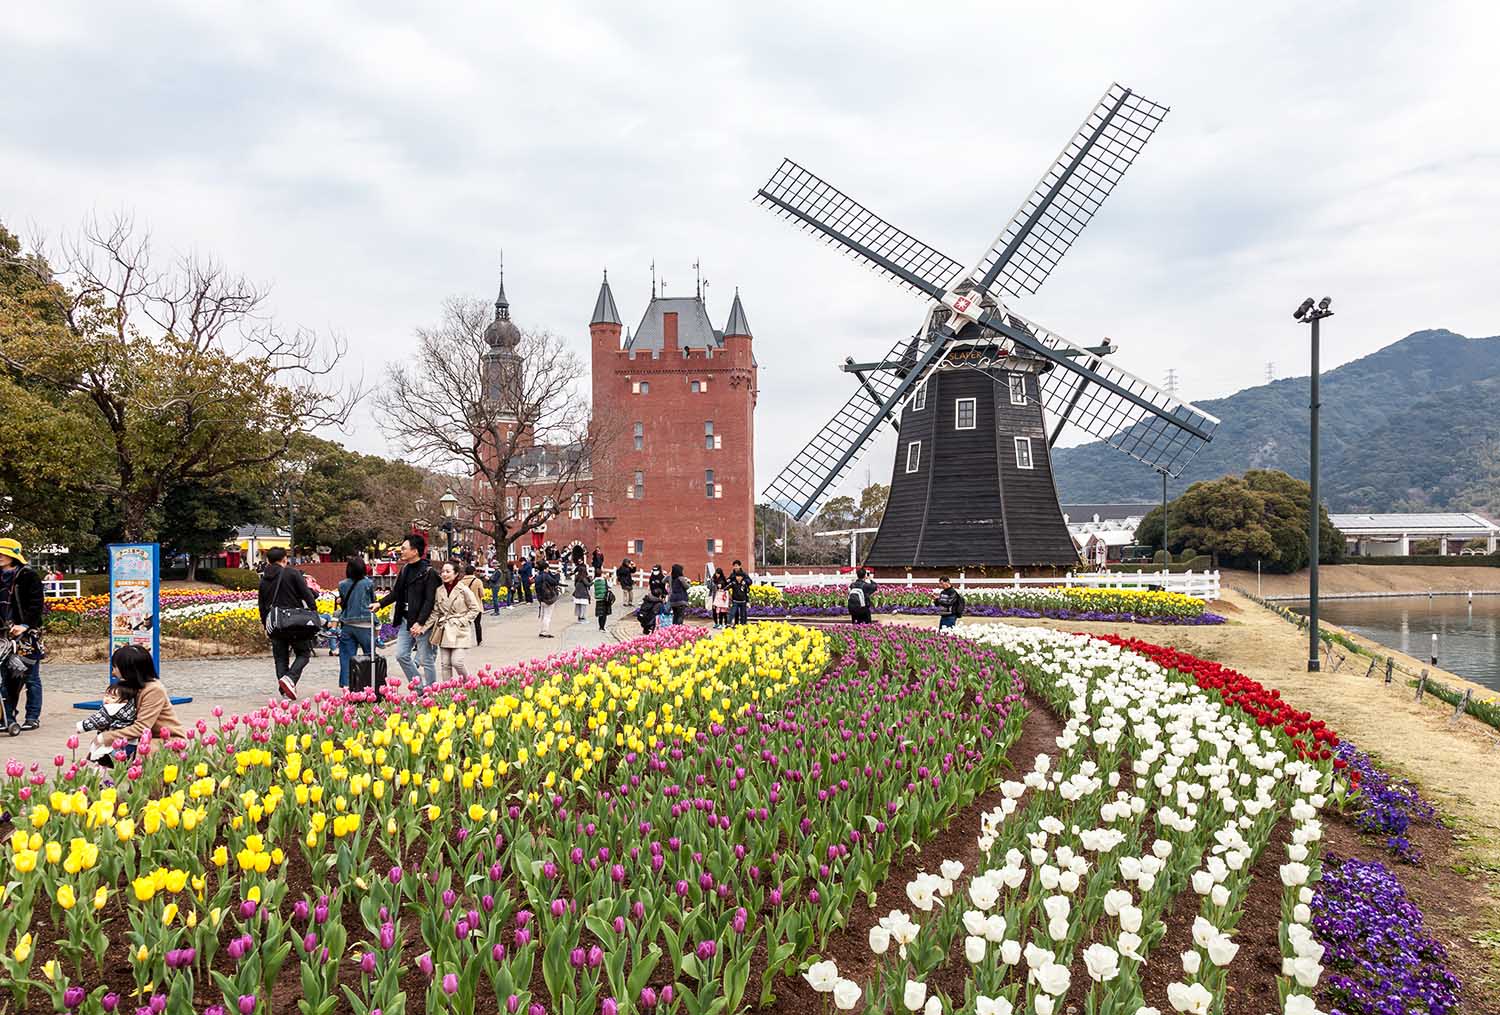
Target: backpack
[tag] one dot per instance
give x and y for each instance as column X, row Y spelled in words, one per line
column 546, row 587
column 856, row 597
column 958, row 604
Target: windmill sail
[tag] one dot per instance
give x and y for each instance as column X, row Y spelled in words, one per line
column 1069, row 193
column 826, row 211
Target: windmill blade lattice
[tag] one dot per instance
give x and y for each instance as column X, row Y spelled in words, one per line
column 824, row 210
column 804, row 481
column 1069, row 193
column 1164, row 442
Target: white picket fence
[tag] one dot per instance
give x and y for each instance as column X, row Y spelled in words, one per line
column 69, row 589
column 1202, row 585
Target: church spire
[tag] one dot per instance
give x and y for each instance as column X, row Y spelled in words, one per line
column 604, row 307
column 502, row 305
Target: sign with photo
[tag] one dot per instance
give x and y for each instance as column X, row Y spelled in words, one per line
column 134, row 597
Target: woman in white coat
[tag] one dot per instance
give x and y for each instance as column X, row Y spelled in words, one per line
column 454, row 608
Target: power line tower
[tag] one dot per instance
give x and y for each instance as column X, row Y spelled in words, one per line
column 1171, row 384
column 1270, row 372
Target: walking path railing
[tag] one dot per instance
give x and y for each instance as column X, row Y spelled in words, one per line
column 70, row 589
column 1200, row 585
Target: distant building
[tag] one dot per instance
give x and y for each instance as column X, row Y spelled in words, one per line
column 1391, row 535
column 676, row 400
column 1103, row 531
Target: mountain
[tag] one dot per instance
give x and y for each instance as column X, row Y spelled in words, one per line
column 1411, row 427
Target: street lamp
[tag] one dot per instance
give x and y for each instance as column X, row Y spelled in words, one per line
column 450, row 508
column 1309, row 314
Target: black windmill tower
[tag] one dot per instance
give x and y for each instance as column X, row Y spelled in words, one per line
column 979, row 394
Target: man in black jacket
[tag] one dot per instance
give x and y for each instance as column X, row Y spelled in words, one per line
column 861, row 598
column 21, row 606
column 739, row 596
column 950, row 601
column 283, row 585
column 414, row 593
column 625, row 577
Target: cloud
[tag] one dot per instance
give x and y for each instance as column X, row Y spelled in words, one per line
column 370, row 160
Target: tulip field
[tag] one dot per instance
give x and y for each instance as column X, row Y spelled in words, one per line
column 699, row 823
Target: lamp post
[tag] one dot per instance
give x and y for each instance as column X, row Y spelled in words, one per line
column 1307, row 313
column 450, row 508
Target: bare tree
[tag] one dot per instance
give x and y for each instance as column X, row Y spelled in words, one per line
column 178, row 369
column 516, row 422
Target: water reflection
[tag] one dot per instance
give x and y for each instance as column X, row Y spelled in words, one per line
column 1468, row 641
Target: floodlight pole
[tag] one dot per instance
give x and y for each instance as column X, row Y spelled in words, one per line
column 1166, row 554
column 1308, row 314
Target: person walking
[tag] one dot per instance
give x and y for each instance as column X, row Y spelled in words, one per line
column 718, row 590
column 598, row 560
column 356, row 594
column 583, row 595
column 282, row 587
column 454, row 610
column 950, row 601
column 604, row 599
column 677, row 594
column 625, row 578
column 546, row 594
column 476, row 585
column 861, row 598
column 528, row 577
column 412, row 594
column 21, row 614
column 739, row 595
column 499, row 585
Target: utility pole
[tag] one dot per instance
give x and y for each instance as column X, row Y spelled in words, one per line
column 1171, row 381
column 786, row 542
column 1308, row 314
column 1166, row 553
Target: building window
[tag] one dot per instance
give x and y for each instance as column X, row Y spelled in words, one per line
column 640, row 436
column 919, row 400
column 964, row 410
column 708, row 434
column 590, row 506
column 640, row 387
column 1023, row 452
column 1017, row 389
column 913, row 456
column 636, row 546
column 549, row 508
column 708, row 482
column 714, row 546
column 695, row 387
column 525, row 505
column 510, row 507
column 576, row 509
column 638, row 491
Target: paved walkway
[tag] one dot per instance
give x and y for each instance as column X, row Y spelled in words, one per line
column 242, row 684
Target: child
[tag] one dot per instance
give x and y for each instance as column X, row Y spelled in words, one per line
column 719, row 591
column 646, row 614
column 116, row 713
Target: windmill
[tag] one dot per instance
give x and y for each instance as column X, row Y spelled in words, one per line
column 970, row 394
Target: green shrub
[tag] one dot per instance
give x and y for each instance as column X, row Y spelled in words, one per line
column 1452, row 560
column 231, row 577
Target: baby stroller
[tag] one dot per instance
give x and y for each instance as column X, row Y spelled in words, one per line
column 13, row 670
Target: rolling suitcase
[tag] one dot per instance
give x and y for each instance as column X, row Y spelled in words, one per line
column 370, row 673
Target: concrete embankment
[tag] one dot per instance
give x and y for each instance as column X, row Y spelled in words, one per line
column 1371, row 580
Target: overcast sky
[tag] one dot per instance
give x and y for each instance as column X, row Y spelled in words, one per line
column 368, row 160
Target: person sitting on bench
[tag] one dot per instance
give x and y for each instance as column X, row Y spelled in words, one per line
column 136, row 684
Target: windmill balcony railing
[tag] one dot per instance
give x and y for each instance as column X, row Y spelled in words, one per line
column 1202, row 585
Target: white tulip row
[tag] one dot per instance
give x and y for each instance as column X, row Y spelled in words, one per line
column 1157, row 788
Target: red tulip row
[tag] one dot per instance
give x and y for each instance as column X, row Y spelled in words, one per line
column 1311, row 737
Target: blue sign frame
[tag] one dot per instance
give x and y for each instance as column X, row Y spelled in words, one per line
column 135, row 597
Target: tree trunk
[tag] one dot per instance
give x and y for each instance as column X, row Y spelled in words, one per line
column 192, row 574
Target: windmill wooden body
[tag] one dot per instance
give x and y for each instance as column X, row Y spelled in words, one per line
column 980, row 394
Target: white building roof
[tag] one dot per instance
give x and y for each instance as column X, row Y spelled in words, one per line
column 1435, row 523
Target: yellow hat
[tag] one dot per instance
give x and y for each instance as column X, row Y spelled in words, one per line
column 12, row 548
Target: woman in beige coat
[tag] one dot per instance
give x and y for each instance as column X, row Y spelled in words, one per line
column 453, row 611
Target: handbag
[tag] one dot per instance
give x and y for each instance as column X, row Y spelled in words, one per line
column 291, row 621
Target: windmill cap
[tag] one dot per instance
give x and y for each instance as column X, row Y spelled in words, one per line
column 12, row 548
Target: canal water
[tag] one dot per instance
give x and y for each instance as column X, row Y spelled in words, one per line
column 1468, row 633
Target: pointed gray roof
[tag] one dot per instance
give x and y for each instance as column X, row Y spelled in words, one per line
column 737, row 324
column 694, row 330
column 604, row 306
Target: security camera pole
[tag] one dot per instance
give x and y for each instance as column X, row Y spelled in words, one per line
column 1308, row 314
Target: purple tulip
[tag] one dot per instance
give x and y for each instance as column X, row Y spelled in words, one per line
column 648, row 997
column 320, row 912
column 497, row 953
column 450, row 983
column 549, row 870
column 424, row 963
column 395, row 875
column 300, row 909
column 387, row 935
column 667, row 993
column 367, row 963
column 512, row 1004
column 247, row 1004
column 109, row 1002
column 449, row 898
column 536, row 1009
column 741, row 918
column 157, row 1004
column 706, row 950
column 73, row 997
column 461, row 929
column 523, row 917
column 309, row 942
column 813, row 896
column 609, row 1007
column 619, row 925
column 247, row 911
column 576, row 957
column 523, row 937
column 596, row 957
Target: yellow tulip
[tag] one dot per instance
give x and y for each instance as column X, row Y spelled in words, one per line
column 101, row 896
column 25, row 861
column 65, row 897
column 144, row 887
column 169, row 914
column 22, row 950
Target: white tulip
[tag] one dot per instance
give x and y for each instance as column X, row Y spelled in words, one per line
column 1068, row 881
column 1194, row 999
column 934, row 1006
column 1146, row 1009
column 919, row 892
column 1130, row 919
column 1296, row 851
column 821, row 976
column 1048, row 875
column 1043, row 1005
column 974, row 921
column 914, row 994
column 846, row 994
column 1294, row 874
column 1010, row 952
column 1057, row 907
column 974, row 949
column 983, row 894
column 952, row 869
column 1102, row 962
column 880, row 939
column 1203, row 882
column 992, row 1006
column 1300, row 1004
column 1054, row 979
column 1301, row 913
column 1306, row 970
column 1190, row 963
column 1219, row 896
column 1130, row 946
column 994, row 928
column 1057, row 929
column 1203, row 932
column 1221, row 950
column 1115, row 900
